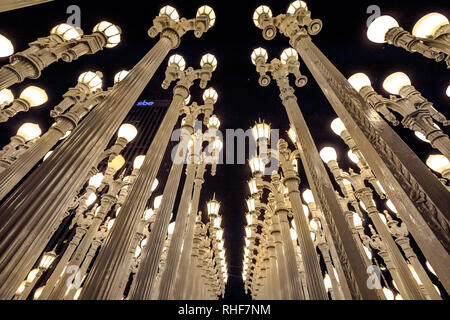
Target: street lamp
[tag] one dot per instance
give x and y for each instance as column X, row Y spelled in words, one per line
column 127, row 132
column 430, row 35
column 429, row 24
column 29, row 131
column 67, row 32
column 25, row 136
column 213, row 207
column 395, row 82
column 418, row 113
column 6, row 97
column 257, row 165
column 212, row 94
column 6, row 47
column 261, row 131
column 65, row 43
column 92, row 79
column 213, row 121
column 328, row 155
column 138, row 161
column 379, row 27
column 440, row 164
column 110, row 31
column 30, row 97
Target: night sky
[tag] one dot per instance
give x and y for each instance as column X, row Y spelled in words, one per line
column 241, row 100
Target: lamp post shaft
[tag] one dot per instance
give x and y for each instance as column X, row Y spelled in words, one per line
column 291, row 262
column 275, row 275
column 185, row 260
column 408, row 182
column 314, row 280
column 149, row 266
column 173, row 256
column 282, row 268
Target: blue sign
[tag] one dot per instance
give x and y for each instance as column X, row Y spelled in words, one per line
column 145, row 103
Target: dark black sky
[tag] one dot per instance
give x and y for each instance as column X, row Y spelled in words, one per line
column 242, row 100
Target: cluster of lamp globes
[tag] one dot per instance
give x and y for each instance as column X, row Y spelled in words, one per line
column 393, row 84
column 425, row 28
column 173, row 14
column 35, row 96
column 68, row 33
column 292, row 9
column 213, row 207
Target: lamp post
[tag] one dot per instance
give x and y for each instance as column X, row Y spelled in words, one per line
column 192, row 283
column 362, row 83
column 301, row 266
column 77, row 102
column 315, row 171
column 430, row 35
column 88, row 225
column 185, row 259
column 275, row 207
column 400, row 171
column 440, row 164
column 107, row 200
column 30, row 97
column 26, row 133
column 140, row 238
column 80, row 151
column 407, row 285
column 65, row 42
column 100, row 236
column 145, row 276
column 320, row 235
column 313, row 274
column 173, row 255
column 400, row 232
column 163, row 261
column 418, row 113
column 35, row 275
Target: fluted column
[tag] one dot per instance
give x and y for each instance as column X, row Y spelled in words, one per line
column 149, row 266
column 408, row 182
column 275, row 275
column 313, row 274
column 173, row 256
column 291, row 261
column 351, row 261
column 185, row 260
column 28, row 216
column 281, row 260
column 192, row 280
column 404, row 243
column 8, row 5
